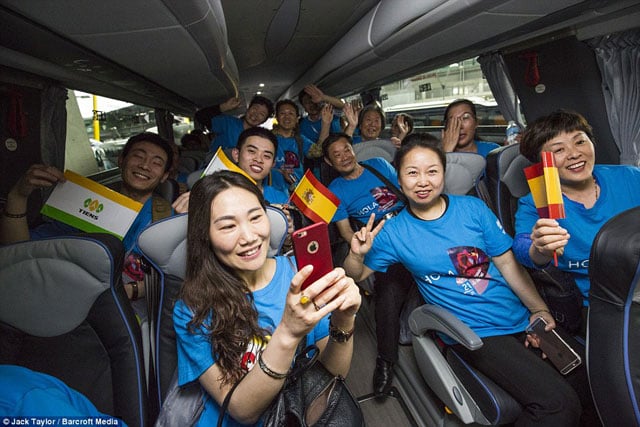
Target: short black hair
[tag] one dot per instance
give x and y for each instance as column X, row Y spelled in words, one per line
column 155, row 139
column 420, row 140
column 333, row 137
column 287, row 102
column 258, row 131
column 548, row 127
column 259, row 99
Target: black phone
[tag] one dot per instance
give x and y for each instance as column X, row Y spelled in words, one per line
column 559, row 352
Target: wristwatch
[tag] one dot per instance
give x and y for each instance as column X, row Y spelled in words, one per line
column 338, row 335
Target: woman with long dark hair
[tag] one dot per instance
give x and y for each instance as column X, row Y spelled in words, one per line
column 238, row 309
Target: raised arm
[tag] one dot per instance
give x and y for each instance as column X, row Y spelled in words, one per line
column 13, row 221
column 318, row 96
column 361, row 244
column 334, row 294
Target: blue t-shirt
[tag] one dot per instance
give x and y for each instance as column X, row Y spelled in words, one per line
column 484, row 147
column 27, row 393
column 288, row 157
column 450, row 260
column 311, row 130
column 274, row 195
column 227, row 129
column 195, row 355
column 619, row 191
column 366, row 194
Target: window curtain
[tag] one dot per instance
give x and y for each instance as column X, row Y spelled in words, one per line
column 53, row 120
column 618, row 57
column 495, row 71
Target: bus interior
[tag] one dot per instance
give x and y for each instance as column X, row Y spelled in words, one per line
column 166, row 59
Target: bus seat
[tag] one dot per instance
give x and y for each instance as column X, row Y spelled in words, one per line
column 471, row 396
column 193, row 177
column 613, row 341
column 164, row 244
column 378, row 148
column 504, row 183
column 64, row 312
column 168, row 190
column 462, row 173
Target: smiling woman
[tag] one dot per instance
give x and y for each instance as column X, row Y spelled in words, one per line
column 592, row 194
column 240, row 315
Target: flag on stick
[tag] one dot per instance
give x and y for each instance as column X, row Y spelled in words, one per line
column 91, row 207
column 544, row 183
column 220, row 161
column 314, row 199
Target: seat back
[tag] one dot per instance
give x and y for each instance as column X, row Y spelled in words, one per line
column 377, row 148
column 64, row 312
column 168, row 190
column 471, row 396
column 613, row 337
column 463, row 172
column 164, row 244
column 504, row 183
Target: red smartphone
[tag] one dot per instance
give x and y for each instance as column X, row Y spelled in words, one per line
column 311, row 246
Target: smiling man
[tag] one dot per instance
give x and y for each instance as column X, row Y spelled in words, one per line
column 144, row 164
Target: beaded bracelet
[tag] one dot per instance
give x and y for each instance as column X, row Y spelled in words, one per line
column 10, row 215
column 267, row 370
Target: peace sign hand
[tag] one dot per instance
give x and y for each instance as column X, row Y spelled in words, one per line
column 362, row 240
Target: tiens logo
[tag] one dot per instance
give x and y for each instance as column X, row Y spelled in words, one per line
column 91, row 208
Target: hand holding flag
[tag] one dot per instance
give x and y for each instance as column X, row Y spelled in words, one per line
column 544, row 183
column 314, row 200
column 221, row 162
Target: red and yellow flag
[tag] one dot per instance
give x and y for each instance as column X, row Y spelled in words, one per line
column 314, row 199
column 544, row 183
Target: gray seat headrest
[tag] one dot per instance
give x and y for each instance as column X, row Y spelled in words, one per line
column 514, row 177
column 165, row 243
column 377, row 148
column 49, row 286
column 463, row 171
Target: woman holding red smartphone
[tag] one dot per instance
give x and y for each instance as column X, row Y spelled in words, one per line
column 238, row 309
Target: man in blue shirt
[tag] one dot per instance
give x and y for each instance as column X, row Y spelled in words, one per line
column 144, row 163
column 227, row 128
column 361, row 193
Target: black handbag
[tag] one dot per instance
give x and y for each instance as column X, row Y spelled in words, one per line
column 183, row 405
column 311, row 396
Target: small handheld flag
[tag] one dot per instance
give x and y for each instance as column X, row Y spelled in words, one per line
column 314, row 200
column 220, row 161
column 544, row 183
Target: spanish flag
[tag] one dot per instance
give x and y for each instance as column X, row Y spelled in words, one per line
column 220, row 161
column 314, row 199
column 544, row 183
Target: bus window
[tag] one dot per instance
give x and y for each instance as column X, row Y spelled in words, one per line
column 426, row 96
column 99, row 127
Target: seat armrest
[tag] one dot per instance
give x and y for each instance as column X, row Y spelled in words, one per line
column 429, row 317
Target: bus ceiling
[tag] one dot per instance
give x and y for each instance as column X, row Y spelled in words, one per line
column 183, row 55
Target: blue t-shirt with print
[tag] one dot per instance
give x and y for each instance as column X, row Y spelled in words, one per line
column 366, row 194
column 484, row 147
column 227, row 129
column 619, row 191
column 450, row 260
column 288, row 157
column 195, row 354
